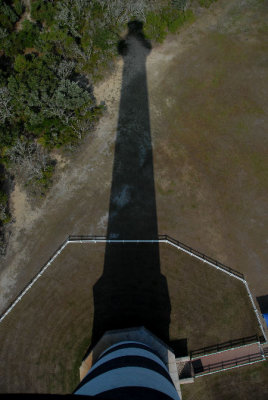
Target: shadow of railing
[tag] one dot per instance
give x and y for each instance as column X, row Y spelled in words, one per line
column 202, row 256
column 204, row 351
column 159, row 239
column 228, row 364
column 104, row 239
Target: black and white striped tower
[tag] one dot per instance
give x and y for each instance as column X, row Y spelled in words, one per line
column 129, row 370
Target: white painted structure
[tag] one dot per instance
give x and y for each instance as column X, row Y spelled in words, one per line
column 162, row 239
column 129, row 370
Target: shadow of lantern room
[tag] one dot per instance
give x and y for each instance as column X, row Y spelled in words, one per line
column 132, row 291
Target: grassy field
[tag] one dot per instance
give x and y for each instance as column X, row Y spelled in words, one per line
column 208, row 107
column 44, row 339
column 238, row 384
column 209, row 118
column 208, row 91
column 207, row 306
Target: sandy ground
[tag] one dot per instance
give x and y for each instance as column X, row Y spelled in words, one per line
column 25, row 15
column 208, row 103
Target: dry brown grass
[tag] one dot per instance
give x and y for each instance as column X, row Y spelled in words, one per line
column 45, row 337
column 207, row 306
column 208, row 103
column 209, row 118
column 238, row 384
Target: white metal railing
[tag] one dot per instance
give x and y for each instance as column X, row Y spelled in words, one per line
column 32, row 282
column 161, row 239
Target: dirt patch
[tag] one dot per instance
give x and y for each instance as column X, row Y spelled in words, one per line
column 25, row 15
column 207, row 101
column 109, row 90
column 22, row 212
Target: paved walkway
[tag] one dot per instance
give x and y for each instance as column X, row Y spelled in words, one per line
column 228, row 359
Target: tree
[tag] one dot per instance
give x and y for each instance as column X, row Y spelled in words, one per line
column 3, row 33
column 65, row 68
column 32, row 165
column 4, row 212
column 18, row 7
column 9, row 132
column 8, row 17
column 67, row 99
column 120, row 11
column 5, row 105
column 56, row 41
column 66, row 18
column 33, row 81
column 43, row 11
column 27, row 36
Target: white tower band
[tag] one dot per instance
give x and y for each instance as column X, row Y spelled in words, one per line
column 129, row 370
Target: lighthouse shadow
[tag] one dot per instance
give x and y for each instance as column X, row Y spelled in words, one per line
column 132, row 292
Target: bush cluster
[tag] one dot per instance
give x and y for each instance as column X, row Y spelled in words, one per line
column 42, row 60
column 4, row 212
column 206, row 3
column 170, row 20
column 50, row 57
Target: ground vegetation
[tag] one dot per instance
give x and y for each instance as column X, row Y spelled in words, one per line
column 51, row 54
column 51, row 327
column 208, row 111
column 237, row 384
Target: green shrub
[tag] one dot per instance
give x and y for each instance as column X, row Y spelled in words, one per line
column 175, row 19
column 45, row 181
column 57, row 137
column 206, row 3
column 43, row 12
column 16, row 42
column 18, row 7
column 4, row 212
column 179, row 4
column 6, row 69
column 8, row 17
column 103, row 38
column 8, row 134
column 48, row 106
column 169, row 20
column 28, row 35
column 155, row 27
column 56, row 42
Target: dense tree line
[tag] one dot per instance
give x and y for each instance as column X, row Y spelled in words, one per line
column 51, row 53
